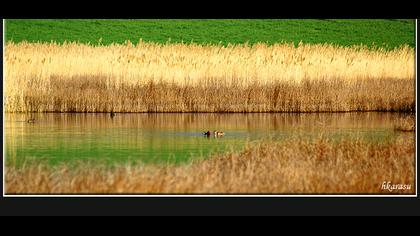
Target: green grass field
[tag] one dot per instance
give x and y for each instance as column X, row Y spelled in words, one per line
column 383, row 33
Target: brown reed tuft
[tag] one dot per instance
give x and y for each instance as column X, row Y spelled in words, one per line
column 406, row 124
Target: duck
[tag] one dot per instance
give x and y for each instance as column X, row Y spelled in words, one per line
column 218, row 133
column 112, row 114
column 32, row 120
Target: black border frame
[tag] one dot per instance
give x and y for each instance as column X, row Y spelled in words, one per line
column 216, row 205
column 210, row 206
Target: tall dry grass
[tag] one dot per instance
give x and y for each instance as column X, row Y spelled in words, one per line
column 198, row 78
column 349, row 166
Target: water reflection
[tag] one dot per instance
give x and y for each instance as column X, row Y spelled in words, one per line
column 159, row 137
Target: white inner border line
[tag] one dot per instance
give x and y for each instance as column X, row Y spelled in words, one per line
column 204, row 195
column 2, row 100
column 415, row 88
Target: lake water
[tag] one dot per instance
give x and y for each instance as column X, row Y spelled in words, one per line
column 157, row 138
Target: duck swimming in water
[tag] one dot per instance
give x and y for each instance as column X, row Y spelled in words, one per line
column 32, row 120
column 218, row 133
column 215, row 133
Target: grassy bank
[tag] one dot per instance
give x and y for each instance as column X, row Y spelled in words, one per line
column 203, row 78
column 293, row 166
column 384, row 33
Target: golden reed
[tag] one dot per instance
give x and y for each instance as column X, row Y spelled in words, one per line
column 148, row 77
column 349, row 166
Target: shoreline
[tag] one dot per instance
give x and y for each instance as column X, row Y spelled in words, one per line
column 322, row 166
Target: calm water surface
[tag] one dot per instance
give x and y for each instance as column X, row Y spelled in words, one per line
column 173, row 137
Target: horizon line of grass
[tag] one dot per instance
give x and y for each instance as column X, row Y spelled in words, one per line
column 361, row 46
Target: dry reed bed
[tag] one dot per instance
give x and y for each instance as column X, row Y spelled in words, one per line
column 204, row 78
column 293, row 166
